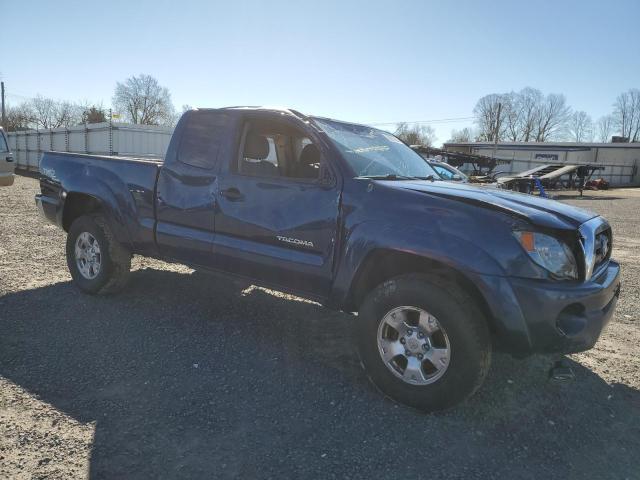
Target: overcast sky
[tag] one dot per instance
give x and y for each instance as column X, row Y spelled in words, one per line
column 365, row 61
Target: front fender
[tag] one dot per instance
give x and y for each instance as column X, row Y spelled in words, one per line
column 435, row 244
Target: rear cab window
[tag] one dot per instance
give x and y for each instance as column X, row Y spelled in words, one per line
column 202, row 139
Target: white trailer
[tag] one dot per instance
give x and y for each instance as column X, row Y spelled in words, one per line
column 105, row 138
column 620, row 160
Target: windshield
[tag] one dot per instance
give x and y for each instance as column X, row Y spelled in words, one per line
column 373, row 153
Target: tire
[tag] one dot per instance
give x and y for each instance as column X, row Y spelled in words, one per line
column 111, row 265
column 454, row 324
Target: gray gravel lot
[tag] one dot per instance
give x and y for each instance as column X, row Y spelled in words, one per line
column 190, row 376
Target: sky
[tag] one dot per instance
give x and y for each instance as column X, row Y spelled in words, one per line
column 374, row 62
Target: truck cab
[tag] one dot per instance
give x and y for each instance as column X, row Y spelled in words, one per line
column 274, row 198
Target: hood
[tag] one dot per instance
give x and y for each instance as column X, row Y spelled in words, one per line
column 539, row 211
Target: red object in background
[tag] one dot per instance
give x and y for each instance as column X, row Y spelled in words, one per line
column 597, row 184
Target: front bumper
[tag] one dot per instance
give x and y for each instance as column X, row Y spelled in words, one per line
column 532, row 316
column 569, row 318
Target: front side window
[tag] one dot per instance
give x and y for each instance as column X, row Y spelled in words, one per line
column 260, row 155
column 374, row 153
column 272, row 150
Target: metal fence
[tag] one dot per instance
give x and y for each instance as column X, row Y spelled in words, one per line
column 94, row 138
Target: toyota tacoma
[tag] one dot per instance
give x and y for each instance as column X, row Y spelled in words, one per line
column 435, row 273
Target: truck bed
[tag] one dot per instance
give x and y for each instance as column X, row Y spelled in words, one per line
column 125, row 185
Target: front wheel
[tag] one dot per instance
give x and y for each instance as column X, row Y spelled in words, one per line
column 97, row 262
column 423, row 342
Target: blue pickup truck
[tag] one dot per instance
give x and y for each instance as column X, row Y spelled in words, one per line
column 435, row 273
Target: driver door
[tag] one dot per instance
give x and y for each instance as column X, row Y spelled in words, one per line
column 277, row 219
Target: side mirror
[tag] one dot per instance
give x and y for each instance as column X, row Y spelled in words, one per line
column 457, row 177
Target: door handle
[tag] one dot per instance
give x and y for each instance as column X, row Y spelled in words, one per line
column 232, row 193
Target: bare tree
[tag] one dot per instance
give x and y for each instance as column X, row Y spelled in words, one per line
column 67, row 114
column 529, row 101
column 49, row 113
column 525, row 116
column 416, row 135
column 461, row 136
column 635, row 102
column 581, row 127
column 626, row 114
column 44, row 112
column 144, row 101
column 486, row 112
column 552, row 117
column 520, row 114
column 511, row 116
column 604, row 128
column 19, row 117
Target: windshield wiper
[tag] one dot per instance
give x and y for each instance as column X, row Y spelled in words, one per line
column 393, row 176
column 431, row 178
column 389, row 176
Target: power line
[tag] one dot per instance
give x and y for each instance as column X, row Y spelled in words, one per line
column 374, row 124
column 437, row 120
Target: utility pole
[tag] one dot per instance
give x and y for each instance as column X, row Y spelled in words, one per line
column 496, row 133
column 4, row 116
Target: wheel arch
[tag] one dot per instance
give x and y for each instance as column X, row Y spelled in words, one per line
column 79, row 203
column 382, row 264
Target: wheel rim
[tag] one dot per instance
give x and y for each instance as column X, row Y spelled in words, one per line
column 88, row 256
column 413, row 345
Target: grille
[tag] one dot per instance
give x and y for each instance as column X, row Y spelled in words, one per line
column 596, row 242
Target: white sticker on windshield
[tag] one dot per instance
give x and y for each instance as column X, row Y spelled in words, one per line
column 375, row 148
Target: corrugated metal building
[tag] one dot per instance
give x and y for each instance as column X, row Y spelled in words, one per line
column 620, row 160
column 94, row 138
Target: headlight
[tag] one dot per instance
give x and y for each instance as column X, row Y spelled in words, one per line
column 550, row 253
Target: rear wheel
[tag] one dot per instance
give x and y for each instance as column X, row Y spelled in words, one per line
column 97, row 262
column 423, row 342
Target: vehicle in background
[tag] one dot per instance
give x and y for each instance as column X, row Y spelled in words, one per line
column 7, row 166
column 448, row 172
column 348, row 216
column 550, row 176
column 597, row 184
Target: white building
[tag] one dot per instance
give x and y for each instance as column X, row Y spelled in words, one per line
column 620, row 160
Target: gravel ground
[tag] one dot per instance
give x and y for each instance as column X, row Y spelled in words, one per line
column 184, row 375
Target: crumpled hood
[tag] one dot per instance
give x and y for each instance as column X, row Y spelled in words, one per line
column 539, row 211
